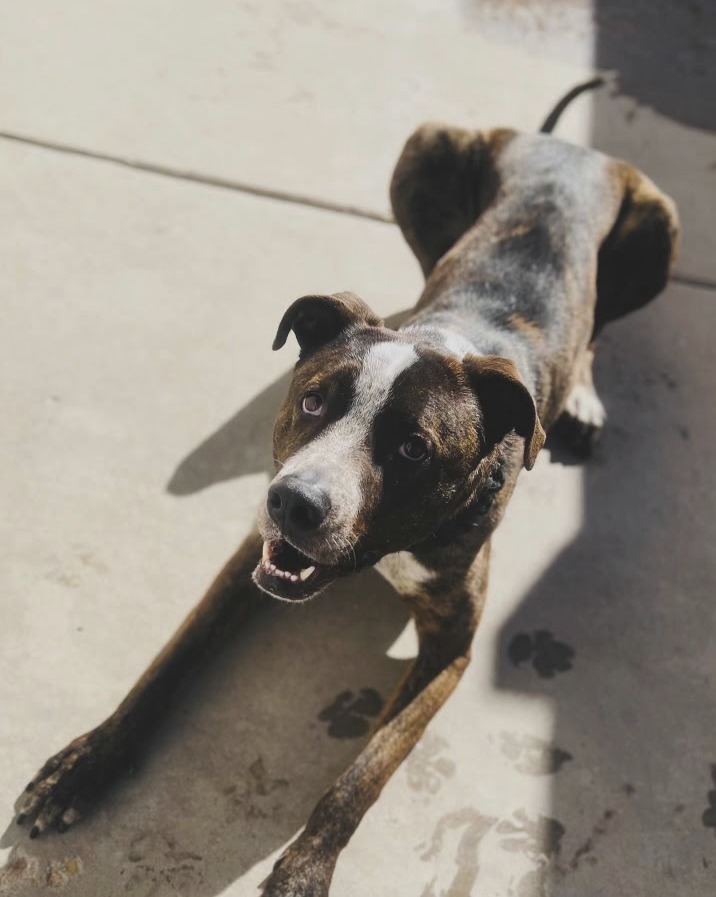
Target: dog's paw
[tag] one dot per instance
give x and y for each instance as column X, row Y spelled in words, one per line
column 304, row 869
column 581, row 424
column 70, row 781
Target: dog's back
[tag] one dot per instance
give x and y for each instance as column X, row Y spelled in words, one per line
column 529, row 244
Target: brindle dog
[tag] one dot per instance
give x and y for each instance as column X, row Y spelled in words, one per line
column 402, row 448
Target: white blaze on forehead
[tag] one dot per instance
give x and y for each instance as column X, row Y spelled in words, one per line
column 337, row 451
column 382, row 365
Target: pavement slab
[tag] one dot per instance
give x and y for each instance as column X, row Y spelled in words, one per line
column 290, row 94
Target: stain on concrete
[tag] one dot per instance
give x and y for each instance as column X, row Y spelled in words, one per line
column 709, row 815
column 539, row 842
column 585, row 852
column 24, row 873
column 19, row 870
column 426, row 767
column 548, row 655
column 60, row 872
column 157, row 860
column 534, row 843
column 70, row 571
column 474, row 827
column 89, row 559
column 538, row 839
column 349, row 715
column 532, row 756
column 257, row 796
column 63, row 578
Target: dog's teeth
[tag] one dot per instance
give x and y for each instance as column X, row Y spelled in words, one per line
column 272, row 568
column 304, row 574
column 266, row 552
column 294, row 578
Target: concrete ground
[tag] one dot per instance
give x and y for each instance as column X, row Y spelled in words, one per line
column 138, row 390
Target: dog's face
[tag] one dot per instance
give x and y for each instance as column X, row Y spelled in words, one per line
column 377, row 443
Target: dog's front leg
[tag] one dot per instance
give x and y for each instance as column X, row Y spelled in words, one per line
column 75, row 776
column 445, row 632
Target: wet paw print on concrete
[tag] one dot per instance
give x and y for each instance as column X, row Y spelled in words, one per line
column 349, row 715
column 534, row 845
column 426, row 767
column 548, row 655
column 157, row 858
column 539, row 839
column 258, row 796
column 709, row 815
column 532, row 756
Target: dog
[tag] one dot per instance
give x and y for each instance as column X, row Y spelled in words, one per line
column 400, row 449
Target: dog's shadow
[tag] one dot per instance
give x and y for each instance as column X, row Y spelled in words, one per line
column 241, row 761
column 251, row 745
column 241, row 445
column 618, row 631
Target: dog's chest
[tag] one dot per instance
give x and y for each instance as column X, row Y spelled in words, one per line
column 405, row 572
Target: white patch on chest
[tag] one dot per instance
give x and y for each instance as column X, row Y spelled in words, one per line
column 405, row 572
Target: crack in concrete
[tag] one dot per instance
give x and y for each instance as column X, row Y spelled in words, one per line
column 196, row 177
column 208, row 180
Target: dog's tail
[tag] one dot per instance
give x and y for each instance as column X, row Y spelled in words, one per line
column 555, row 114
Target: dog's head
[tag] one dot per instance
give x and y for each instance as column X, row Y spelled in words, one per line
column 377, row 444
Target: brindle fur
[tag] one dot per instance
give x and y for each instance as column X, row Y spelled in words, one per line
column 529, row 246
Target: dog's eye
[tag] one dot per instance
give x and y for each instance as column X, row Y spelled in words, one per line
column 312, row 404
column 414, row 449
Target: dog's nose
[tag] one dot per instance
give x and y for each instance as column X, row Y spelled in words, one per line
column 294, row 504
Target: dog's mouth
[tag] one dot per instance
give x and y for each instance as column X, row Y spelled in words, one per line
column 289, row 575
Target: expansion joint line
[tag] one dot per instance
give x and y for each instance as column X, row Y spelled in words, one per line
column 298, row 199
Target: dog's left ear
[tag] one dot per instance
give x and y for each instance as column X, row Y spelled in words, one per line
column 505, row 402
column 317, row 320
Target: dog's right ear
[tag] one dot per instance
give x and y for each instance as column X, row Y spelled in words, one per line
column 316, row 320
column 505, row 404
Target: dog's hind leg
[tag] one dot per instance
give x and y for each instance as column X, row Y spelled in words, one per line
column 77, row 775
column 582, row 420
column 443, row 181
column 446, row 626
column 633, row 267
column 636, row 257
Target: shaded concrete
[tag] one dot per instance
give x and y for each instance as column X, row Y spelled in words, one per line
column 631, row 596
